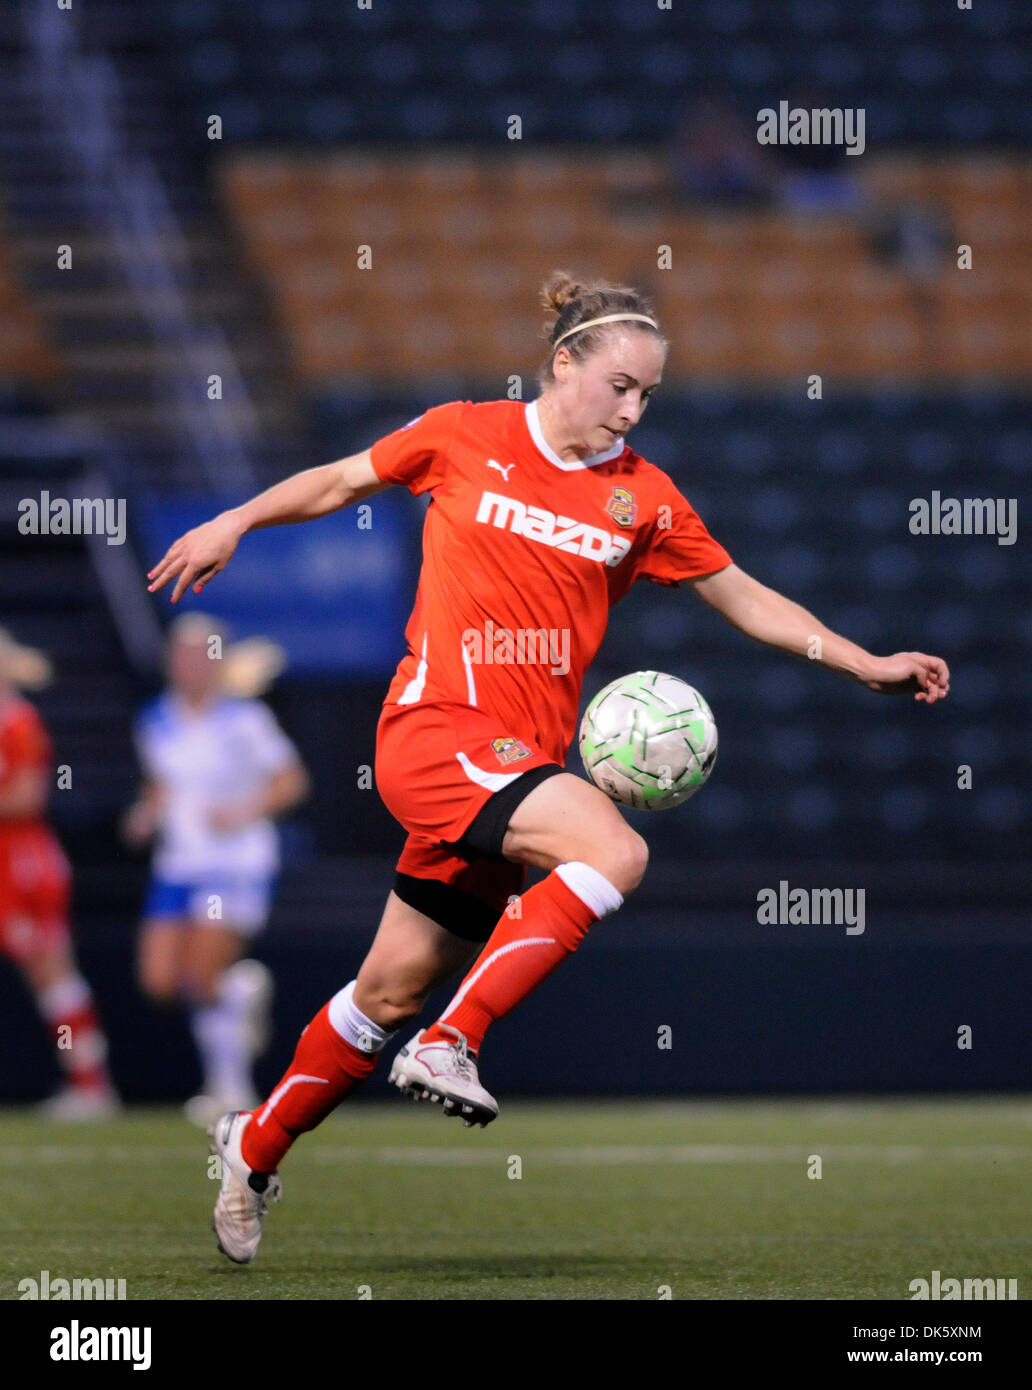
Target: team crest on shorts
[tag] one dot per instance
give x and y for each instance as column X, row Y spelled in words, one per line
column 622, row 507
column 510, row 750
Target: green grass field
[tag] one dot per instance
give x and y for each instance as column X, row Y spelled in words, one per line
column 615, row 1201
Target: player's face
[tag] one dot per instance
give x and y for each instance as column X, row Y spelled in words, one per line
column 191, row 671
column 604, row 396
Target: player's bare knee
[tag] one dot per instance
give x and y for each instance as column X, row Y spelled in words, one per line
column 388, row 1004
column 634, row 862
column 391, row 1013
column 624, row 862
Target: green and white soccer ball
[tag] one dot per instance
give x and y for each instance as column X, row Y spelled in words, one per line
column 648, row 740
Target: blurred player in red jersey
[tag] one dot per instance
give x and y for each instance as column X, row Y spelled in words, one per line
column 34, row 892
column 541, row 518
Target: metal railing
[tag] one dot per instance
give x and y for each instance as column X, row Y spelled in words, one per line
column 124, row 195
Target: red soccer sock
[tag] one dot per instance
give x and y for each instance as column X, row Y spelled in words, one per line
column 325, row 1069
column 79, row 1042
column 555, row 916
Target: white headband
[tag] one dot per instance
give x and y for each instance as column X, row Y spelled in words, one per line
column 606, row 318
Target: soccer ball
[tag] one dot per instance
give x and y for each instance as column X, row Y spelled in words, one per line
column 648, row 740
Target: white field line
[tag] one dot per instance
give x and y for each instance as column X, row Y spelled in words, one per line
column 578, row 1156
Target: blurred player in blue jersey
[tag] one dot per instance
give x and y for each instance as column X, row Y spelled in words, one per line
column 217, row 770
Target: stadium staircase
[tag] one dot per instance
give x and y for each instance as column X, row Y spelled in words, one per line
column 156, row 300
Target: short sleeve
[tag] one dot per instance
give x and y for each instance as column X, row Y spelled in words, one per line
column 271, row 751
column 679, row 547
column 415, row 455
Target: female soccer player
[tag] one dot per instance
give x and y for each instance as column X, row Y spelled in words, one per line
column 35, row 884
column 541, row 517
column 218, row 768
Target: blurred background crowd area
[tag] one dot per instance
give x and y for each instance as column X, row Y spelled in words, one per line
column 240, row 258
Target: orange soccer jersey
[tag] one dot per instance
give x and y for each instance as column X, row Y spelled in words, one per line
column 524, row 553
column 34, row 876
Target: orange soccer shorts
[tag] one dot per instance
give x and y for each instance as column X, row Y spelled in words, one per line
column 452, row 775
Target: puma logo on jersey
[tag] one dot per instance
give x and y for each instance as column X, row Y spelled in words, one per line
column 504, row 470
column 561, row 532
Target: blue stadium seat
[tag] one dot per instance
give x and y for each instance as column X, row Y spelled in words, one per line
column 283, row 16
column 1003, row 808
column 886, row 750
column 393, row 63
column 454, row 16
column 192, row 17
column 487, row 63
column 841, row 451
column 892, row 566
column 721, row 808
column 986, row 568
column 302, row 64
column 329, row 118
column 977, row 747
column 213, row 62
column 904, row 809
column 749, row 452
column 774, row 508
column 878, row 509
column 793, row 749
column 1013, row 450
column 812, row 807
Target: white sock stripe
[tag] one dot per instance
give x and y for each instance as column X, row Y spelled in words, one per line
column 350, row 1023
column 88, row 1050
column 502, row 950
column 281, row 1091
column 65, row 996
column 593, row 889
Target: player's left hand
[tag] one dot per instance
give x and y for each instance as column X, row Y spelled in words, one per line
column 927, row 677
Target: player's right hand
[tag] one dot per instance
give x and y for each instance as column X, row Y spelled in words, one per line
column 196, row 558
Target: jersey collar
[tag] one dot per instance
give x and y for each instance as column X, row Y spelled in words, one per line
column 567, row 465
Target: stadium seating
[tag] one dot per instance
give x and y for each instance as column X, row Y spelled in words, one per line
column 455, row 70
column 771, row 295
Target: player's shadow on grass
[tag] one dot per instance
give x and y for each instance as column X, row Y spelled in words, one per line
column 352, row 1271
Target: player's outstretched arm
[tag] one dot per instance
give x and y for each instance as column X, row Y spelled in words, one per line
column 768, row 616
column 198, row 556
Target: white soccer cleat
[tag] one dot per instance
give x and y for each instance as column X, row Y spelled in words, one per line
column 244, row 1195
column 81, row 1104
column 444, row 1072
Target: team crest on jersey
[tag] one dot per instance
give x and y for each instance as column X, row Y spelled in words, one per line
column 622, row 506
column 510, row 750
